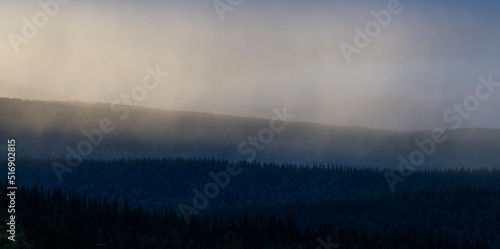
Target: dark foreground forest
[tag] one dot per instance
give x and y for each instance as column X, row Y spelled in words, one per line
column 110, row 204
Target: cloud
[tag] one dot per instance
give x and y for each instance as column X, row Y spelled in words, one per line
column 280, row 52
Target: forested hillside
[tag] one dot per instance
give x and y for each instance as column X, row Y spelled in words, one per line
column 153, row 183
column 137, row 202
column 456, row 218
column 48, row 129
column 169, row 182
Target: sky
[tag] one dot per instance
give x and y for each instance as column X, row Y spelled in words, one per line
column 261, row 53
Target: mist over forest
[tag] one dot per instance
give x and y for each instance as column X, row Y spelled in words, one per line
column 238, row 124
column 48, row 129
